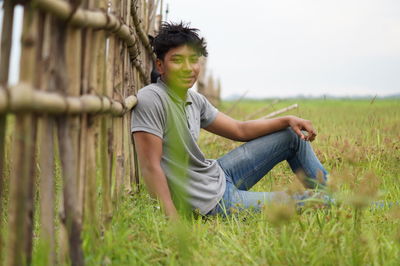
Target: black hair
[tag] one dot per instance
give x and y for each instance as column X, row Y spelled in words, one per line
column 172, row 35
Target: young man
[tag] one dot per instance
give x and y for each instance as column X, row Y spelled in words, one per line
column 166, row 123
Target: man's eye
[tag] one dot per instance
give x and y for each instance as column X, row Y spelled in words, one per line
column 177, row 60
column 194, row 60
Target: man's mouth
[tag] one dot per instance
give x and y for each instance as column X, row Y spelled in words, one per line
column 187, row 78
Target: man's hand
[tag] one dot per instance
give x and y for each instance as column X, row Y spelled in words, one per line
column 299, row 124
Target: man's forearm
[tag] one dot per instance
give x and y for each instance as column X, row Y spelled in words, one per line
column 256, row 128
column 157, row 185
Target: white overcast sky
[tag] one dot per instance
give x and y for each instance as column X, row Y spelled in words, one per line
column 290, row 47
column 278, row 48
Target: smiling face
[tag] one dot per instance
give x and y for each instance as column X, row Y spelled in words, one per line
column 180, row 68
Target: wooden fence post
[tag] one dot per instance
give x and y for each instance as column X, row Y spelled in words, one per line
column 73, row 71
column 128, row 145
column 66, row 140
column 89, row 127
column 125, row 86
column 89, row 136
column 4, row 67
column 22, row 179
column 45, row 144
column 118, row 121
column 45, row 148
column 104, row 153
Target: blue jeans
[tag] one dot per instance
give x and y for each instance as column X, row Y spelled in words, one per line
column 247, row 164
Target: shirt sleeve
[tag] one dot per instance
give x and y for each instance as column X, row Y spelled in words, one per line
column 148, row 115
column 208, row 112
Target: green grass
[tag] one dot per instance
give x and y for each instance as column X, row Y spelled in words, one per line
column 358, row 143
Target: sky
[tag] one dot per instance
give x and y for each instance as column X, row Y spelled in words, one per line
column 281, row 48
column 16, row 47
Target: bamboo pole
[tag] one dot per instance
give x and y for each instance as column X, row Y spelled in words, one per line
column 126, row 161
column 19, row 190
column 73, row 67
column 45, row 144
column 280, row 111
column 104, row 128
column 129, row 89
column 261, row 110
column 119, row 160
column 67, row 151
column 21, row 183
column 90, row 201
column 133, row 169
column 118, row 122
column 78, row 43
column 108, row 91
column 89, row 124
column 46, row 162
column 24, row 98
column 5, row 51
column 126, row 123
column 36, row 34
column 68, row 163
column 137, row 84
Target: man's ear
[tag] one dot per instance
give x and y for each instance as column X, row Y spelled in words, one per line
column 160, row 66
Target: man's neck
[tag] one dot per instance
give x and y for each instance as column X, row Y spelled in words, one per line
column 180, row 92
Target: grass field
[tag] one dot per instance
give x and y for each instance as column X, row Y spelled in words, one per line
column 358, row 143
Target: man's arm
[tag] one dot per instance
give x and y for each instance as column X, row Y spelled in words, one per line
column 228, row 127
column 149, row 150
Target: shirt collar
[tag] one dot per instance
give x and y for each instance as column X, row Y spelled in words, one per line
column 173, row 95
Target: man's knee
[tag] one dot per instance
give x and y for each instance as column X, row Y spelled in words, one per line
column 282, row 138
column 289, row 134
column 292, row 138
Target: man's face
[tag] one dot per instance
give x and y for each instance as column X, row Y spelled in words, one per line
column 180, row 67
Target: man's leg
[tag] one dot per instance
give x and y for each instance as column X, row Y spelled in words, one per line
column 247, row 164
column 236, row 199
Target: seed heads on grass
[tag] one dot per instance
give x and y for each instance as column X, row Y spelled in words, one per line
column 365, row 191
column 320, row 177
column 278, row 213
column 394, row 213
column 296, row 187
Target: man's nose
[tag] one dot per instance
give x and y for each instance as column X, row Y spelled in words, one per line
column 187, row 65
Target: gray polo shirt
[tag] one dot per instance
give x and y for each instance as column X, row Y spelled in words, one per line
column 162, row 113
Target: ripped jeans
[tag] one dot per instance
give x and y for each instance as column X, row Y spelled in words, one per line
column 247, row 164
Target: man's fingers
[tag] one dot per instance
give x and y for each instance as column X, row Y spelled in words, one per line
column 298, row 132
column 311, row 133
column 312, row 137
column 308, row 135
column 304, row 129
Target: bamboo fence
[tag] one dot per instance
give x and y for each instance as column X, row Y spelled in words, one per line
column 82, row 62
